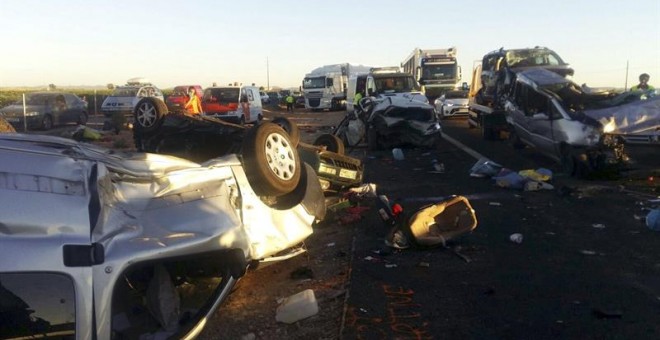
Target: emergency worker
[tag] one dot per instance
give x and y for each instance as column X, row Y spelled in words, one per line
column 643, row 83
column 289, row 103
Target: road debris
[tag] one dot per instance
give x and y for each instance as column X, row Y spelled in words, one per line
column 653, row 220
column 495, row 204
column 424, row 264
column 391, row 265
column 297, row 307
column 588, row 252
column 397, row 153
column 516, row 238
column 607, row 314
column 484, row 167
column 598, row 226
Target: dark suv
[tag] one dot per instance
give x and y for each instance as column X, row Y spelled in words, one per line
column 498, row 70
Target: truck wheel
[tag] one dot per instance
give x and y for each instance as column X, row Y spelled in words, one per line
column 514, row 139
column 331, row 143
column 270, row 160
column 290, row 128
column 149, row 114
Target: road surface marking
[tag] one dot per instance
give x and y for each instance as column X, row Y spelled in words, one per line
column 463, row 147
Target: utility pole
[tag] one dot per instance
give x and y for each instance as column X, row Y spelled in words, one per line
column 267, row 75
column 625, row 87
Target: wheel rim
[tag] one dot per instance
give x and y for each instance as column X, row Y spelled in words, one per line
column 279, row 156
column 146, row 115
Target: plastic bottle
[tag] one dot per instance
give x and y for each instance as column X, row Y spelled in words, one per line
column 297, row 307
column 398, row 154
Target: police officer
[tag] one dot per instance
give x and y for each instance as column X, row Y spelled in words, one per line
column 356, row 101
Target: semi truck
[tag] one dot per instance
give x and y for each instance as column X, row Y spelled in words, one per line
column 325, row 86
column 436, row 70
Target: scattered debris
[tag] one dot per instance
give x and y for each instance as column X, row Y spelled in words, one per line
column 365, row 190
column 424, row 264
column 516, row 238
column 495, row 204
column 484, row 167
column 459, row 254
column 588, row 252
column 391, row 265
column 653, row 220
column 331, row 244
column 598, row 226
column 397, row 153
column 297, row 307
column 435, row 224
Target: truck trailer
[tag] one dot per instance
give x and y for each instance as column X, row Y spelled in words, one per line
column 325, row 86
column 436, row 70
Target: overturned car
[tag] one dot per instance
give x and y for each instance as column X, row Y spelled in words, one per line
column 584, row 131
column 100, row 244
column 200, row 138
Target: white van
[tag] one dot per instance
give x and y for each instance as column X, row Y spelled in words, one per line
column 224, row 102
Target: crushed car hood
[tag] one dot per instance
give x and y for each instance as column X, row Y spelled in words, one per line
column 641, row 117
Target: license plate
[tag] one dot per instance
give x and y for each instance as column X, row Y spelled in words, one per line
column 345, row 173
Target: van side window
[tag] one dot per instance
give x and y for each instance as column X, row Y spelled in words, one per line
column 250, row 95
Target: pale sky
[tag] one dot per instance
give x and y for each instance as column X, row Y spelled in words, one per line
column 83, row 42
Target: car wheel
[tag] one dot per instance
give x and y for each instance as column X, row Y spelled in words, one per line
column 270, row 160
column 331, row 143
column 514, row 139
column 83, row 118
column 149, row 113
column 47, row 122
column 574, row 162
column 290, row 128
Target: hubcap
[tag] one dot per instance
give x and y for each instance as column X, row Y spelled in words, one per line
column 279, row 156
column 146, row 114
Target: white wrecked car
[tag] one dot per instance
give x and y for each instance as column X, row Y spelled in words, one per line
column 99, row 244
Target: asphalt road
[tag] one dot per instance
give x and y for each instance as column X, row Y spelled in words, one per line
column 587, row 266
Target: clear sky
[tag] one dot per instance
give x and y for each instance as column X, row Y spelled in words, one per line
column 83, row 42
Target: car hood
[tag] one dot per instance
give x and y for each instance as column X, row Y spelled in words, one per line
column 456, row 101
column 641, row 117
column 17, row 110
column 405, row 107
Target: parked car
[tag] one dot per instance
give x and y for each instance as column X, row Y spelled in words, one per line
column 224, row 103
column 44, row 110
column 583, row 131
column 176, row 102
column 124, row 99
column 498, row 69
column 451, row 103
column 135, row 245
column 275, row 98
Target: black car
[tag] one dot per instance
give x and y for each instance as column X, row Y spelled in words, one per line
column 43, row 110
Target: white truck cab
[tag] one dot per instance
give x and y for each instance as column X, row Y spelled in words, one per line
column 381, row 82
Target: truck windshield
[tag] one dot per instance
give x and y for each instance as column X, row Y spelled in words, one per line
column 439, row 71
column 395, row 84
column 314, row 83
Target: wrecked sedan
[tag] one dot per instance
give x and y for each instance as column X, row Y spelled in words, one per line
column 199, row 138
column 393, row 121
column 576, row 128
column 100, row 244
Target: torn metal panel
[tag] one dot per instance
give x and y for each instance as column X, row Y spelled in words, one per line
column 640, row 119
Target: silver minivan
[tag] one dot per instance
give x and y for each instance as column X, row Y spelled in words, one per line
column 575, row 127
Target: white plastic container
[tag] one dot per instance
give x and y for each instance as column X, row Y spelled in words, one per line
column 398, row 154
column 297, row 307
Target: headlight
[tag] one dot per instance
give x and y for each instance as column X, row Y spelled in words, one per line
column 32, row 114
column 450, row 104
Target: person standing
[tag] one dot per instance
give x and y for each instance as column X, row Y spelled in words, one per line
column 194, row 105
column 245, row 105
column 643, row 83
column 289, row 103
column 356, row 101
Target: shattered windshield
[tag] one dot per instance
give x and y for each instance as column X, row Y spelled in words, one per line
column 221, row 95
column 456, row 94
column 314, row 83
column 439, row 72
column 526, row 58
column 395, row 84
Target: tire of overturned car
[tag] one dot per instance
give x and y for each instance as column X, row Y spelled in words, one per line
column 290, row 128
column 270, row 160
column 149, row 113
column 331, row 142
